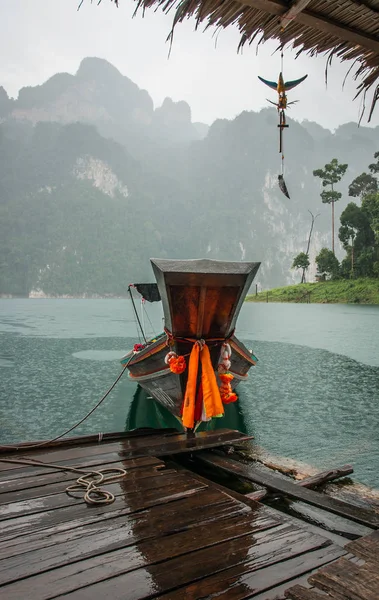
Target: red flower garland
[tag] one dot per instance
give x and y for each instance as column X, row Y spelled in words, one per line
column 226, row 392
column 176, row 363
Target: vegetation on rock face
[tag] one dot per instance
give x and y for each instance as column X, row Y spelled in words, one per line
column 62, row 233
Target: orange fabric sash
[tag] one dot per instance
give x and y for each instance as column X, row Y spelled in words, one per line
column 211, row 394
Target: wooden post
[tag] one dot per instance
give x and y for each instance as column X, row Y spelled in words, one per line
column 267, row 297
column 256, row 289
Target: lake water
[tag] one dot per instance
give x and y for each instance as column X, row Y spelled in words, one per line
column 313, row 397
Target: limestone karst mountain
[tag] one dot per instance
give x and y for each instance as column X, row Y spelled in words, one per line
column 94, row 180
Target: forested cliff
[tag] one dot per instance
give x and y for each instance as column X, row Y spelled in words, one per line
column 94, row 181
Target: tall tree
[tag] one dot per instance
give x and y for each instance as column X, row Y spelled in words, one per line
column 365, row 183
column 331, row 174
column 362, row 185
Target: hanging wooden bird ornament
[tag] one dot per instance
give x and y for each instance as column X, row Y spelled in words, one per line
column 281, row 87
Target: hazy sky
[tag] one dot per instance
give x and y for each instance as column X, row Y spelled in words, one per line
column 41, row 37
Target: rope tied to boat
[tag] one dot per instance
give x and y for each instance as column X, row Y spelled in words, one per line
column 171, row 339
column 29, row 446
column 89, row 481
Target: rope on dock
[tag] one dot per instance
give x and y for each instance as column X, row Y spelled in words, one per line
column 89, row 481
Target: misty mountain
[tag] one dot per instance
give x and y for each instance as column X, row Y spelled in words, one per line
column 94, row 180
column 98, row 94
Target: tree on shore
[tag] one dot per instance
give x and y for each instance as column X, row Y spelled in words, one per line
column 331, row 174
column 327, row 263
column 359, row 231
column 358, row 240
column 301, row 261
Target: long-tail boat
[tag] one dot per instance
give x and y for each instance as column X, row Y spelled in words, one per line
column 194, row 366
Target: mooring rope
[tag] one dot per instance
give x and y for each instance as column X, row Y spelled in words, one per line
column 89, row 480
column 58, row 437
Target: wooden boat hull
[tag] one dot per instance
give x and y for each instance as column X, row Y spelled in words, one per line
column 148, row 369
column 201, row 301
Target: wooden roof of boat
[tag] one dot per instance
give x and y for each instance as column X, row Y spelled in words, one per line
column 348, row 29
column 202, row 297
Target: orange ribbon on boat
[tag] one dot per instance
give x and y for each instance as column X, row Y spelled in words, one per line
column 211, row 394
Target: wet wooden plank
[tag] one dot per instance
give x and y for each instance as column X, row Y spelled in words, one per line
column 344, row 579
column 156, row 520
column 80, row 452
column 125, row 488
column 278, row 591
column 206, row 506
column 366, row 547
column 360, row 515
column 312, row 481
column 100, row 459
column 191, row 444
column 325, row 476
column 183, row 536
column 87, row 439
column 149, row 568
column 185, row 443
column 298, row 592
column 80, row 513
column 254, row 551
column 49, row 488
column 132, row 448
column 248, row 580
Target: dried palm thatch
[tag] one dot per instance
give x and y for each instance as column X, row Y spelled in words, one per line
column 347, row 29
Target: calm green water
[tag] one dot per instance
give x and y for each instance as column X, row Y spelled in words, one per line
column 314, row 395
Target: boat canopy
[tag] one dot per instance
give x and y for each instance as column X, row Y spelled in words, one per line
column 148, row 291
column 202, row 298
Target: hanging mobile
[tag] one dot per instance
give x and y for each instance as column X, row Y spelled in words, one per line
column 282, row 87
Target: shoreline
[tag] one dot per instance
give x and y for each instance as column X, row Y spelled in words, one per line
column 347, row 488
column 343, row 291
column 63, row 297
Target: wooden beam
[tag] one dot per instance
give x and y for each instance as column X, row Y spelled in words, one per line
column 312, row 481
column 296, row 7
column 277, row 484
column 318, row 22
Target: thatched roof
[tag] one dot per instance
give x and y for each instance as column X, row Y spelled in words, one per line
column 348, row 29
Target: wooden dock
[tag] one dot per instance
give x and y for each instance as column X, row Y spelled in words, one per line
column 343, row 578
column 169, row 533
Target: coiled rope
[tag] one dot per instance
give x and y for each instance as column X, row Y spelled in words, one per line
column 89, row 481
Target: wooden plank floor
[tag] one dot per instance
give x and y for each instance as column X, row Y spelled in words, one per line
column 344, row 579
column 169, row 534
